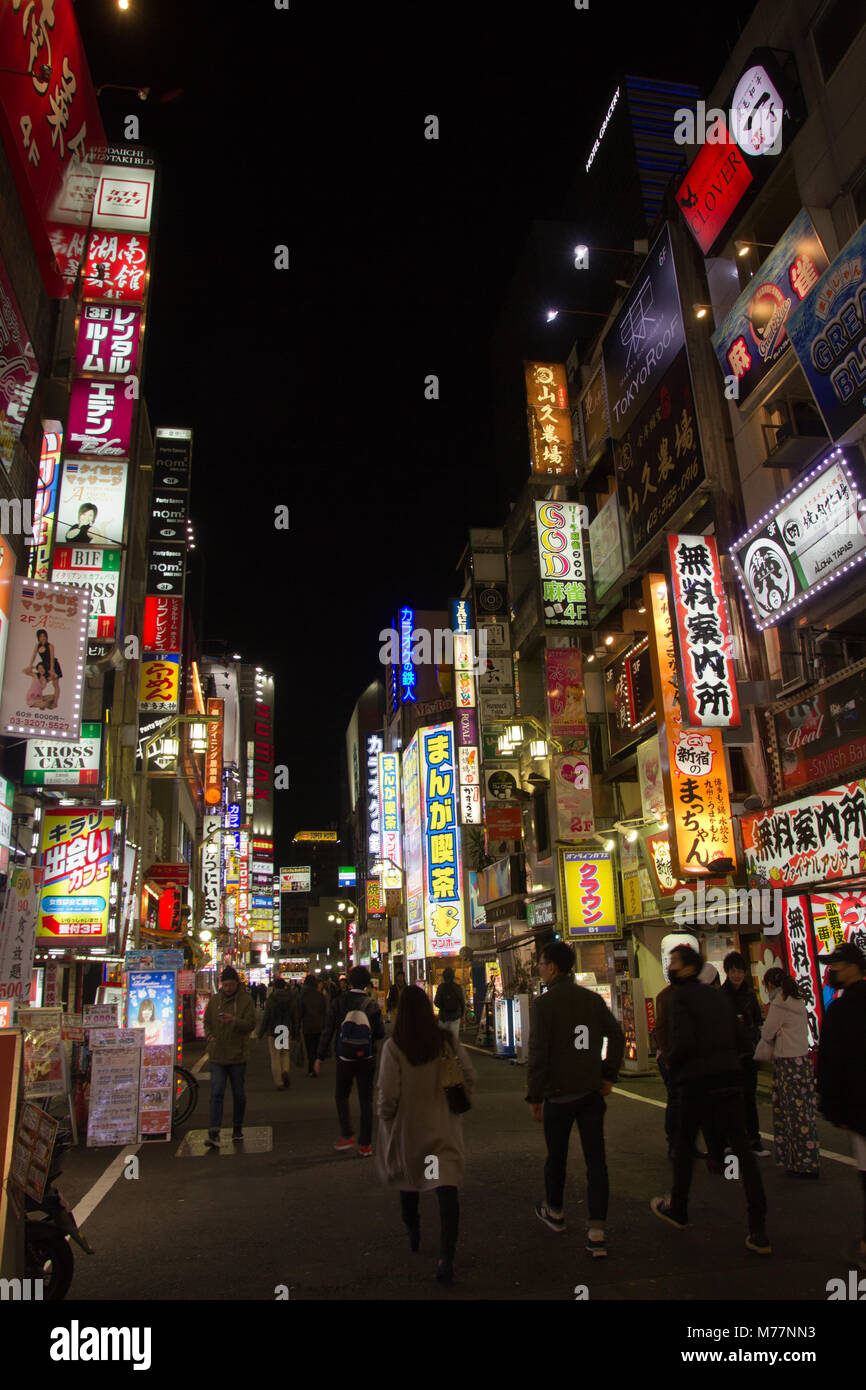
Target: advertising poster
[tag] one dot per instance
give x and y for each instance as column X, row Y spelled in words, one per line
column 34, row 1145
column 19, row 370
column 801, row 960
column 295, row 880
column 589, row 893
column 824, row 732
column 151, row 1003
column 44, row 1052
column 115, row 1082
column 752, row 338
column 828, row 330
column 115, row 267
column 562, row 564
column 45, row 507
column 97, row 573
column 605, row 546
column 812, row 534
column 18, row 936
column 659, row 463
column 45, row 658
column 551, row 441
column 645, row 338
column 565, row 698
column 91, row 507
column 444, row 911
column 838, row 919
column 715, row 183
column 820, row 837
column 75, row 896
column 703, row 632
column 48, row 764
column 649, row 771
column 412, row 861
column 572, row 783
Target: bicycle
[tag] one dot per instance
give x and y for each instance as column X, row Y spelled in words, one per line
column 185, row 1096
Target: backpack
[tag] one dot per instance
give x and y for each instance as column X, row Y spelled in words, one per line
column 449, row 999
column 355, row 1043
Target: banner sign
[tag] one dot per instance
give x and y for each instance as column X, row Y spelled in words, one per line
column 572, row 783
column 659, row 463
column 18, row 935
column 108, row 340
column 820, row 837
column 159, row 683
column 629, row 696
column 211, row 862
column 78, row 893
column 752, row 337
column 389, row 820
column 561, row 562
column 828, row 330
column 100, row 420
column 44, row 661
column 97, row 573
column 413, row 859
column 115, row 267
column 703, row 632
column 588, row 894
column 801, row 960
column 295, row 880
column 166, row 567
column 64, row 764
column 163, row 624
column 172, row 459
column 45, row 508
column 443, row 864
column 213, row 763
column 551, row 441
column 693, row 764
column 821, row 732
column 713, row 187
column 565, row 698
column 645, row 338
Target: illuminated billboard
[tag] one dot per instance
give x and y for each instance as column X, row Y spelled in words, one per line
column 444, row 910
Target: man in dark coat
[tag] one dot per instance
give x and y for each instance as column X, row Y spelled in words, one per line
column 737, row 989
column 280, row 1022
column 841, row 1075
column 704, row 1062
column 314, row 1008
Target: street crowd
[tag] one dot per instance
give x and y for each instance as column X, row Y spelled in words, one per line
column 710, row 1038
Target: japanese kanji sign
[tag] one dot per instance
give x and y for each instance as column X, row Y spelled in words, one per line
column 548, row 416
column 116, row 266
column 820, row 837
column 443, row 866
column 389, row 819
column 18, row 935
column 561, row 562
column 659, row 463
column 160, row 682
column 163, row 624
column 75, row 897
column 801, row 960
column 752, row 337
column 814, row 532
column 693, row 765
column 413, row 860
column 703, row 632
column 838, row 919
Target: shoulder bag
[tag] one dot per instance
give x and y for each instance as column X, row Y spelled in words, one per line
column 452, row 1080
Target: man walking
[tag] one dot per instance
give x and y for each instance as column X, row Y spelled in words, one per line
column 704, row 1062
column 841, row 1076
column 568, row 1082
column 738, row 991
column 357, row 1022
column 451, row 1003
column 313, row 1010
column 228, row 1022
column 280, row 1022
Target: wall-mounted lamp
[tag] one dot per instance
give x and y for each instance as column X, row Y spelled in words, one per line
column 538, row 748
column 701, row 310
column 514, row 733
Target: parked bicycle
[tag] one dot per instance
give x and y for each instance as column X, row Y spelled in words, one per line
column 185, row 1096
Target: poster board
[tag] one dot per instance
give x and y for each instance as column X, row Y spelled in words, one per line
column 31, row 1154
column 114, row 1086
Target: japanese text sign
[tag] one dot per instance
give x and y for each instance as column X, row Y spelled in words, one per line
column 820, row 837
column 116, row 267
column 443, row 865
column 76, row 893
column 561, row 562
column 100, row 420
column 645, row 338
column 551, row 440
column 588, row 893
column 389, row 819
column 703, row 631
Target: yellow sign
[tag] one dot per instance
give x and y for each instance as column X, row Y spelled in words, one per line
column 589, row 893
column 316, row 835
column 77, row 849
column 694, row 770
column 160, row 684
column 551, row 441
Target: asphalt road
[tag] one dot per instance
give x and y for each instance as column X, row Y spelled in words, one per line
column 236, row 1226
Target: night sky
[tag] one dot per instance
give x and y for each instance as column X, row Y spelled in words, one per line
column 306, row 387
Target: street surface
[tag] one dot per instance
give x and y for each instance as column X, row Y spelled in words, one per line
column 235, row 1226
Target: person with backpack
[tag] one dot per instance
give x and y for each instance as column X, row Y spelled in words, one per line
column 356, row 1021
column 451, row 1003
column 280, row 1013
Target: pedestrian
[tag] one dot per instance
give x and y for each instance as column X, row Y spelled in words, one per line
column 228, row 1022
column 660, row 1034
column 451, row 1002
column 313, row 1010
column 568, row 1081
column 785, row 1041
column 738, row 990
column 420, row 1138
column 841, row 1071
column 280, row 1022
column 705, row 1062
column 343, row 984
column 395, row 992
column 355, row 1020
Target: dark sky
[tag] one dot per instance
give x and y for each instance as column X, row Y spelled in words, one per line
column 306, row 387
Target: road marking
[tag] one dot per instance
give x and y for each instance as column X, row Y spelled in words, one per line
column 200, row 1063
column 90, row 1201
column 647, row 1100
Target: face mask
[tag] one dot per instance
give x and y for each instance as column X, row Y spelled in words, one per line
column 673, row 976
column 833, row 980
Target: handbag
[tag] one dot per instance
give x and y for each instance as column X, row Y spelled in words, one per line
column 297, row 1053
column 765, row 1051
column 451, row 1074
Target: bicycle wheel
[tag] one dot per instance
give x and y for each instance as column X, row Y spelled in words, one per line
column 185, row 1096
column 49, row 1257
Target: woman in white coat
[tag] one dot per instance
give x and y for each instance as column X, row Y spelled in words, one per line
column 786, row 1034
column 420, row 1141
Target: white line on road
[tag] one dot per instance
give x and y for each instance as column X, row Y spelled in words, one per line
column 90, row 1201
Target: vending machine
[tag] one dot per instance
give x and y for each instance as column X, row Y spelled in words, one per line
column 520, row 1026
column 504, row 1025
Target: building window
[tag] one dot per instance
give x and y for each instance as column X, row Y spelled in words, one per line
column 835, row 30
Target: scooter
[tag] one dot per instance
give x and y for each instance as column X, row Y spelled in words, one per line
column 48, row 1252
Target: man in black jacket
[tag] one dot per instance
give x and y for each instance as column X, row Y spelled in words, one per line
column 704, row 1062
column 738, row 991
column 567, row 1084
column 280, row 1022
column 355, row 1002
column 841, row 1076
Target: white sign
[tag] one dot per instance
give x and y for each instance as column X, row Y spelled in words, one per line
column 64, row 764
column 294, row 880
column 113, row 1115
column 18, row 936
